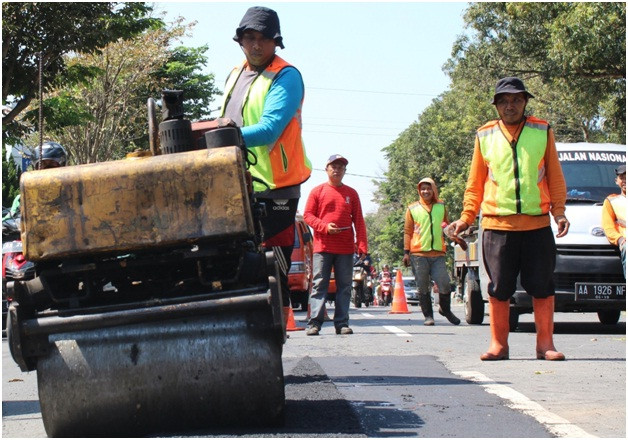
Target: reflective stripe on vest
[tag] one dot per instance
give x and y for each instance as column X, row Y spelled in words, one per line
column 516, row 182
column 284, row 163
column 428, row 233
column 618, row 202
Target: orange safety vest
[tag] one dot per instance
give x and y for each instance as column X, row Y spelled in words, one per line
column 283, row 163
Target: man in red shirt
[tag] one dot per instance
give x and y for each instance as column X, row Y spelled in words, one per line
column 333, row 210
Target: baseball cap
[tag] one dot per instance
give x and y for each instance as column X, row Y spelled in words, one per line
column 335, row 157
column 620, row 170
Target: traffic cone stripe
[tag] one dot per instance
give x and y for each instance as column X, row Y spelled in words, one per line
column 399, row 303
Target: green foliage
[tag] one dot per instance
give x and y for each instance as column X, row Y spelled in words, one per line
column 55, row 29
column 104, row 116
column 10, row 181
column 182, row 71
column 572, row 57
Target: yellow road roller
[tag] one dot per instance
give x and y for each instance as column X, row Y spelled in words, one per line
column 155, row 308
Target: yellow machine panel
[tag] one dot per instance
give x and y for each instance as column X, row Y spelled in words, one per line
column 134, row 204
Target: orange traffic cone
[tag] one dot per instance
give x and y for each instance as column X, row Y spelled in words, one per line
column 399, row 303
column 291, row 325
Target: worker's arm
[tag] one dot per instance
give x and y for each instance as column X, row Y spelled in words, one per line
column 608, row 223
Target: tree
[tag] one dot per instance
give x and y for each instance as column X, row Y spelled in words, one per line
column 573, row 55
column 105, row 116
column 10, row 181
column 182, row 72
column 55, row 29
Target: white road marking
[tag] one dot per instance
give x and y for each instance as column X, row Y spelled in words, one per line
column 368, row 315
column 555, row 424
column 397, row 331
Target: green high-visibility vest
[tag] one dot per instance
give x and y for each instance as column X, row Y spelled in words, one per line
column 428, row 232
column 516, row 182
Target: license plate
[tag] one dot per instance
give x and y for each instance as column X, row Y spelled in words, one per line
column 600, row 291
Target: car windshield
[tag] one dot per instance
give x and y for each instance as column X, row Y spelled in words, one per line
column 409, row 283
column 590, row 175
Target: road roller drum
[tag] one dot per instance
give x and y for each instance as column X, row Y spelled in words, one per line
column 155, row 307
column 172, row 376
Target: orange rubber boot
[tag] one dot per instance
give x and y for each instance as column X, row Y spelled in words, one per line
column 499, row 315
column 544, row 323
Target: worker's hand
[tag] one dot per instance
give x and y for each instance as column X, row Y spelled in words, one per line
column 406, row 260
column 563, row 225
column 225, row 122
column 332, row 229
column 455, row 228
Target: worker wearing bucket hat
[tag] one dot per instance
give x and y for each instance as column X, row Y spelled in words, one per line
column 516, row 181
column 264, row 96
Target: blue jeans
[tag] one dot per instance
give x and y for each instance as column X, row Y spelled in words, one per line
column 426, row 268
column 343, row 274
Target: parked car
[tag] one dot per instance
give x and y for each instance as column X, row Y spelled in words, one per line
column 300, row 275
column 409, row 286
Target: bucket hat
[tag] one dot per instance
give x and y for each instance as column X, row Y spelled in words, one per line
column 261, row 19
column 620, row 170
column 510, row 84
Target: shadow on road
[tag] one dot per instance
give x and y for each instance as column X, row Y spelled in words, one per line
column 574, row 328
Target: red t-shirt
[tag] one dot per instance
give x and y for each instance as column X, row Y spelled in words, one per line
column 340, row 205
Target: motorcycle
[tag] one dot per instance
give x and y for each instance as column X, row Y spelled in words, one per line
column 385, row 285
column 358, row 285
column 369, row 290
column 14, row 266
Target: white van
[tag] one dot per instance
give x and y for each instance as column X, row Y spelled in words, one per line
column 588, row 276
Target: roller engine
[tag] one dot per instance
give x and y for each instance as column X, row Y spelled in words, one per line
column 154, row 307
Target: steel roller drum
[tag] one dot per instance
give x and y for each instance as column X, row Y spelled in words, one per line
column 177, row 375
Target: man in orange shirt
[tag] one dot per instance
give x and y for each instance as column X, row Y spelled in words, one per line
column 516, row 181
column 614, row 215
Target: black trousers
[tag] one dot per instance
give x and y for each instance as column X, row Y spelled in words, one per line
column 278, row 228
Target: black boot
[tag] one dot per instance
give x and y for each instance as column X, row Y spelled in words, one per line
column 425, row 301
column 445, row 308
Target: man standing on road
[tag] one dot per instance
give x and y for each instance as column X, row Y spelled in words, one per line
column 264, row 96
column 424, row 248
column 333, row 210
column 614, row 215
column 516, row 180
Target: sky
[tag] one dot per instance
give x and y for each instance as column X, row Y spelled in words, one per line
column 369, row 69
